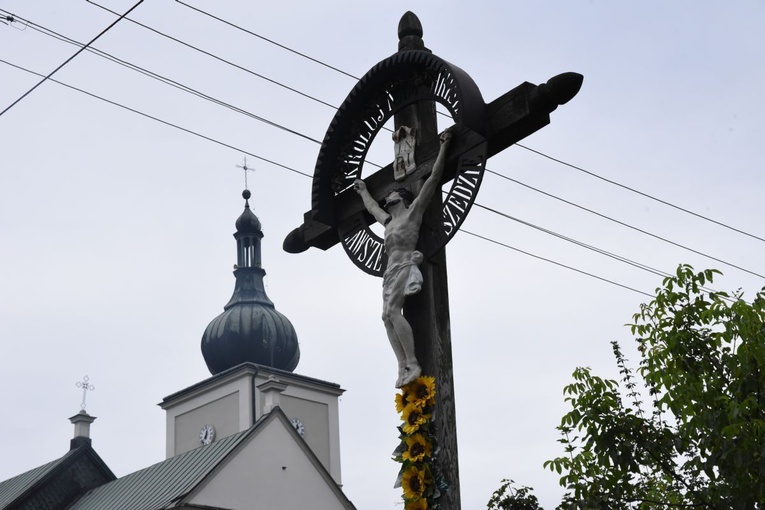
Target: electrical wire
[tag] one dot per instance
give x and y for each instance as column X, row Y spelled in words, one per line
column 163, row 79
column 716, row 259
column 45, row 78
column 619, row 258
column 237, row 66
column 267, row 40
column 175, row 84
column 558, row 263
column 167, row 123
column 279, row 165
column 204, row 96
column 590, row 247
column 610, row 181
column 645, row 232
column 638, row 192
column 239, row 110
column 190, row 90
column 216, row 57
column 185, row 88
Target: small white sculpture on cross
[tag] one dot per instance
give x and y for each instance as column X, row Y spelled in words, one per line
column 404, row 141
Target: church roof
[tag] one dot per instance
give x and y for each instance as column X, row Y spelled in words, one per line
column 56, row 484
column 168, row 484
column 14, row 487
column 254, row 368
column 160, row 485
column 247, row 223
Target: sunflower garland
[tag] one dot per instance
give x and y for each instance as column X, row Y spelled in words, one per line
column 418, row 448
column 418, row 478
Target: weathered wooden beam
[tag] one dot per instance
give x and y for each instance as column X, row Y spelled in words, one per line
column 511, row 117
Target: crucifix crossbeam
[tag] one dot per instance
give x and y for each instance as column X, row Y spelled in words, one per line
column 510, row 118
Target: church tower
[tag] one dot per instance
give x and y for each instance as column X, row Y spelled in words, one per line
column 250, row 329
column 251, row 350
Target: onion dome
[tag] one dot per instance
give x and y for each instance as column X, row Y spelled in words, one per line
column 250, row 329
column 248, row 223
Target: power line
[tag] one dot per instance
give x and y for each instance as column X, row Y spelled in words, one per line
column 176, row 126
column 164, row 79
column 210, row 98
column 71, row 58
column 187, row 89
column 267, row 40
column 218, row 142
column 633, row 190
column 619, row 258
column 590, row 247
column 176, row 84
column 216, row 57
column 197, row 93
column 663, row 239
column 557, row 263
column 615, row 183
column 242, row 68
column 308, row 96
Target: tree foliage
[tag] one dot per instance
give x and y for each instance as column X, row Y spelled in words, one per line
column 693, row 434
column 507, row 497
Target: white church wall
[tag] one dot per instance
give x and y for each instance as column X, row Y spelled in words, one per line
column 314, row 417
column 272, row 470
column 181, row 408
column 222, row 414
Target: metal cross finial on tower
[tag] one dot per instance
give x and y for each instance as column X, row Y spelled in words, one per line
column 86, row 386
column 246, row 169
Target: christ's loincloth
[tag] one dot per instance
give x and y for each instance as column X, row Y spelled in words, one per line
column 408, row 270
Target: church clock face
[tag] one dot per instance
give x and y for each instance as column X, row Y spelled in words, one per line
column 298, row 426
column 206, row 435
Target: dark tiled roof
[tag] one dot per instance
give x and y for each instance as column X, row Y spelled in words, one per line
column 14, row 487
column 53, row 486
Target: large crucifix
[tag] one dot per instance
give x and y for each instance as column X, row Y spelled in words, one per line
column 406, row 87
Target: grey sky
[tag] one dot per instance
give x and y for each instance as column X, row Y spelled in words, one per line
column 116, row 229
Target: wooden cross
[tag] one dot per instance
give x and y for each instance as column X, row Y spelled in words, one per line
column 482, row 130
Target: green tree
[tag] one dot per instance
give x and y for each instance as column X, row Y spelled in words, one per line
column 699, row 441
column 507, row 497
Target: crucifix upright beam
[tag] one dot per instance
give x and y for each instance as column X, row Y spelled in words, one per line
column 428, row 310
column 405, row 87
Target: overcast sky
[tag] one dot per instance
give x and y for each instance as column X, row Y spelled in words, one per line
column 116, row 228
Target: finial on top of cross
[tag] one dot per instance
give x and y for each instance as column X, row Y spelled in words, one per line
column 86, row 386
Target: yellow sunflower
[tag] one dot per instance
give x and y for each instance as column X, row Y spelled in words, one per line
column 422, row 391
column 419, row 504
column 402, row 399
column 413, row 418
column 413, row 483
column 417, row 448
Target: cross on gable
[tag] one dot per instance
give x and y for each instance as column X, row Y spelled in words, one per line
column 86, row 386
